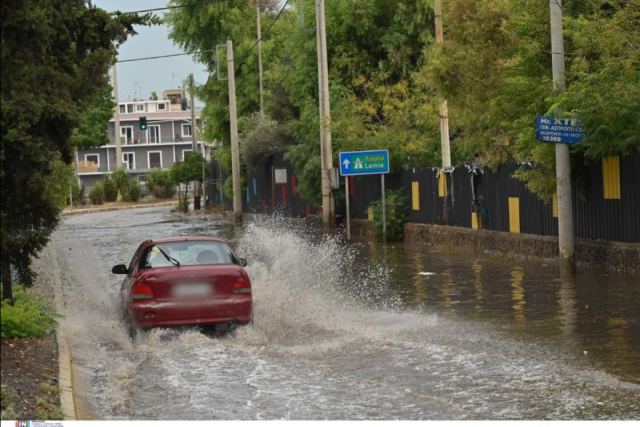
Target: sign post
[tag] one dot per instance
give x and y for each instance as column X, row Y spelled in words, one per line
column 371, row 162
column 558, row 130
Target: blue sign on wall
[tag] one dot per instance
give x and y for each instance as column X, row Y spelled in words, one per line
column 364, row 162
column 556, row 129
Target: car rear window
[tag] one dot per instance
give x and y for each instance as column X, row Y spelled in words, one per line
column 194, row 252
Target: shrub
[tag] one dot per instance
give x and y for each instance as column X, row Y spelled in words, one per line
column 132, row 191
column 121, row 180
column 110, row 189
column 96, row 195
column 161, row 184
column 8, row 399
column 29, row 316
column 76, row 193
column 396, row 213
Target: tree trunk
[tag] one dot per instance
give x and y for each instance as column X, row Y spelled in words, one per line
column 7, row 292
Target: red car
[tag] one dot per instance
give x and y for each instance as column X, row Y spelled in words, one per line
column 185, row 281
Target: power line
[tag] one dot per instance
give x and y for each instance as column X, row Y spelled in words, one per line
column 165, row 56
column 169, row 7
column 240, row 63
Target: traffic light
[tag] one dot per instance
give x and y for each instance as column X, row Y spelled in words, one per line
column 143, row 123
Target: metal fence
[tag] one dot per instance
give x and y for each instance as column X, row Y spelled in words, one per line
column 606, row 197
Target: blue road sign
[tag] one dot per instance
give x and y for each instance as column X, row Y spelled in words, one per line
column 556, row 129
column 364, row 162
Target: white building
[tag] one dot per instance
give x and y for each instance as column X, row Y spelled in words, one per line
column 165, row 141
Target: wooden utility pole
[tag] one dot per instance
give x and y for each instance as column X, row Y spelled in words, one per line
column 563, row 161
column 326, row 153
column 443, row 110
column 233, row 120
column 260, row 75
column 194, row 141
column 116, row 116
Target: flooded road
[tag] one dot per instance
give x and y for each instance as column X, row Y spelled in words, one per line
column 356, row 331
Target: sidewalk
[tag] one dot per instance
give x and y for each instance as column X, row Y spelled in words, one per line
column 117, row 206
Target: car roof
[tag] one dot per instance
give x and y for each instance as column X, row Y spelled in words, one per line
column 186, row 239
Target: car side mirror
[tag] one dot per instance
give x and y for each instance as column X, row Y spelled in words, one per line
column 120, row 269
column 243, row 262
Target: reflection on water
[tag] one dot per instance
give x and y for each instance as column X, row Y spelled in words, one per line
column 595, row 317
column 517, row 293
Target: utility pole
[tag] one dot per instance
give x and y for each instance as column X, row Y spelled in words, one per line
column 233, row 120
column 116, row 116
column 563, row 161
column 260, row 58
column 194, row 142
column 443, row 110
column 326, row 154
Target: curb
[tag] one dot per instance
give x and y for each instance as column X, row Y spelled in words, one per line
column 116, row 208
column 65, row 378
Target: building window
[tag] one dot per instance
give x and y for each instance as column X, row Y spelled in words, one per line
column 161, row 106
column 155, row 159
column 123, row 108
column 129, row 161
column 94, row 158
column 129, row 108
column 153, row 136
column 126, row 132
column 139, row 107
column 184, row 154
column 186, row 129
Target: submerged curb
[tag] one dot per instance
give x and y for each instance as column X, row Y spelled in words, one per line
column 116, row 208
column 65, row 378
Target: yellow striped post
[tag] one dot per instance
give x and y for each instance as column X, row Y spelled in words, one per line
column 442, row 184
column 474, row 220
column 611, row 177
column 514, row 215
column 415, row 195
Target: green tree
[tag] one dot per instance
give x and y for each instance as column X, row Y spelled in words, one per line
column 93, row 123
column 375, row 48
column 55, row 57
column 495, row 70
column 185, row 172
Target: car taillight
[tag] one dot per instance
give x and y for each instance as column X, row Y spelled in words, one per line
column 242, row 286
column 141, row 291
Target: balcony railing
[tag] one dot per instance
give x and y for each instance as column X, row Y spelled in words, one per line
column 85, row 166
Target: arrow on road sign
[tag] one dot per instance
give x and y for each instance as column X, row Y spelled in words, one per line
column 346, row 163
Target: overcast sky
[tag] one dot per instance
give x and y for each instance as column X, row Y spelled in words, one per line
column 139, row 79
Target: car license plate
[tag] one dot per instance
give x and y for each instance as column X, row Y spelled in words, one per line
column 191, row 289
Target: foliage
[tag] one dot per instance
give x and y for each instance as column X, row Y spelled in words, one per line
column 387, row 77
column 161, row 184
column 7, row 403
column 62, row 180
column 396, row 214
column 48, row 402
column 494, row 68
column 374, row 49
column 97, row 193
column 185, row 172
column 121, row 180
column 55, row 57
column 110, row 188
column 261, row 138
column 93, row 122
column 133, row 192
column 28, row 316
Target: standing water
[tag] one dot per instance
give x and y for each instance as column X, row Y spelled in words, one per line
column 358, row 331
